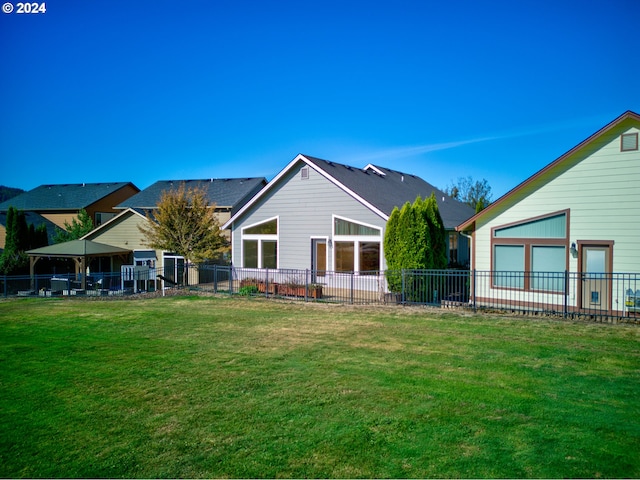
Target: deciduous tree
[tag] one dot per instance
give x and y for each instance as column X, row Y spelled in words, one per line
column 184, row 222
column 475, row 194
column 78, row 228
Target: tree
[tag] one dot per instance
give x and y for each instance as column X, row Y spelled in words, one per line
column 439, row 257
column 38, row 236
column 78, row 228
column 13, row 259
column 185, row 223
column 475, row 194
column 415, row 239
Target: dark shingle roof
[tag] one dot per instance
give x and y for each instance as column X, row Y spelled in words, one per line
column 225, row 192
column 62, row 196
column 385, row 189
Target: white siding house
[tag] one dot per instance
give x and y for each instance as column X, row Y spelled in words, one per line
column 580, row 215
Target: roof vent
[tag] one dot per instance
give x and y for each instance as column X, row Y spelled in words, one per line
column 304, row 173
column 628, row 142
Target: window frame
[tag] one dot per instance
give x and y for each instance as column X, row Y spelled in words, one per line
column 529, row 244
column 622, row 137
column 260, row 238
column 357, row 241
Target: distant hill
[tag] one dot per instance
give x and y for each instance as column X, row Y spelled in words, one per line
column 8, row 192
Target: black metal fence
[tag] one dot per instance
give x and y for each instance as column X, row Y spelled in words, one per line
column 566, row 294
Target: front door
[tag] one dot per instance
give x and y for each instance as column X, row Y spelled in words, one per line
column 596, row 277
column 318, row 259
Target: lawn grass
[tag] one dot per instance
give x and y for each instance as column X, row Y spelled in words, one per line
column 219, row 387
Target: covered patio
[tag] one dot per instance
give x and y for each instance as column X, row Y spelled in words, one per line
column 81, row 252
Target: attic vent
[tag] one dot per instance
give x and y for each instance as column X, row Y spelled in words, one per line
column 304, row 173
column 628, row 142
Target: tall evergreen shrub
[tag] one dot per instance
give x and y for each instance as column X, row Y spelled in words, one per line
column 415, row 239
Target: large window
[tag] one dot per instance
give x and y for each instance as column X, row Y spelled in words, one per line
column 356, row 246
column 260, row 245
column 508, row 265
column 537, row 246
column 345, row 260
column 547, row 263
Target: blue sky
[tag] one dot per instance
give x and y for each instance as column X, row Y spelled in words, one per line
column 147, row 90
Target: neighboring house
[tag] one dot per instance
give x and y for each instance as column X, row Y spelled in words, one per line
column 61, row 203
column 122, row 230
column 32, row 218
column 227, row 194
column 325, row 216
column 579, row 214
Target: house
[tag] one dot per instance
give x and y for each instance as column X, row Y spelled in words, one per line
column 122, row 230
column 580, row 215
column 61, row 203
column 328, row 217
column 227, row 194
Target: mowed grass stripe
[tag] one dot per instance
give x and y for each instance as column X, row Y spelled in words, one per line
column 219, row 387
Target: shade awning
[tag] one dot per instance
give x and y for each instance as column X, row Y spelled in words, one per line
column 77, row 248
column 81, row 251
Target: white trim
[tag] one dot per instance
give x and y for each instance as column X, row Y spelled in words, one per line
column 110, row 221
column 266, row 220
column 357, row 222
column 356, row 240
column 261, row 237
column 375, row 169
column 285, row 171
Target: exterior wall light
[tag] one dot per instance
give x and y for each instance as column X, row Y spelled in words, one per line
column 573, row 250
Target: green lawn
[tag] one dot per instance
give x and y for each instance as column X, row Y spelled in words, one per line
column 221, row 387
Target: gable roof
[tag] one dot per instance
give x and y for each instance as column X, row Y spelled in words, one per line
column 628, row 116
column 229, row 193
column 112, row 221
column 378, row 188
column 63, row 196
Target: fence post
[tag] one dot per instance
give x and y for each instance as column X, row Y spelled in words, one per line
column 5, row 286
column 474, row 289
column 352, row 286
column 215, row 278
column 403, row 286
column 566, row 294
column 266, row 283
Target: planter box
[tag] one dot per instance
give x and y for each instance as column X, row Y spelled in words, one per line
column 282, row 289
column 260, row 286
column 272, row 288
column 393, row 298
column 299, row 291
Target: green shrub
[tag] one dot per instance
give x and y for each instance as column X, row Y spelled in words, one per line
column 248, row 290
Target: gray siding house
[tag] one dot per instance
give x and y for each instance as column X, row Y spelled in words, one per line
column 325, row 216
